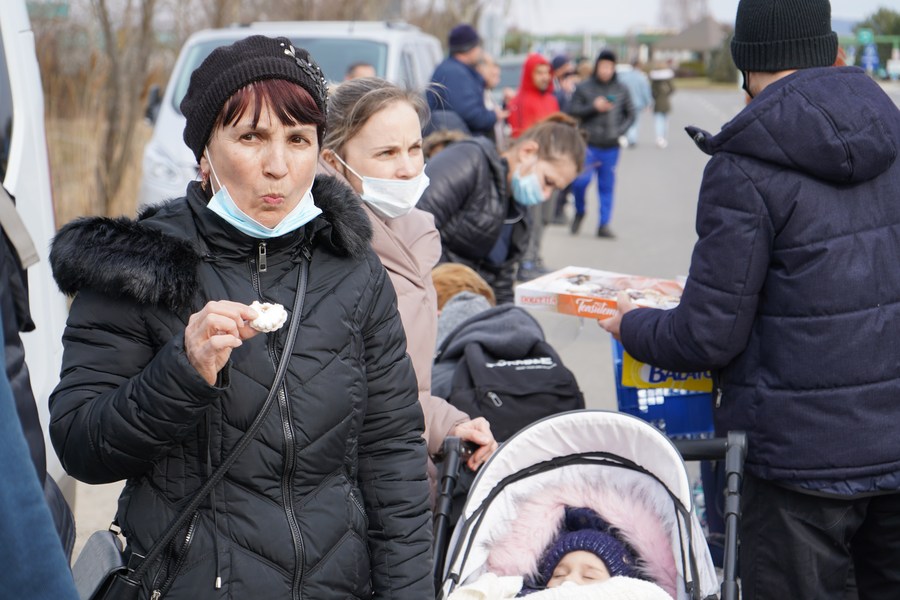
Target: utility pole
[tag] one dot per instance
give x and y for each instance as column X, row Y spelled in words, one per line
column 679, row 14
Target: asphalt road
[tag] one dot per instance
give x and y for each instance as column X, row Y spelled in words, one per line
column 653, row 219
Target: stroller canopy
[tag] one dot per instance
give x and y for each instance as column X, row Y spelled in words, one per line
column 596, row 450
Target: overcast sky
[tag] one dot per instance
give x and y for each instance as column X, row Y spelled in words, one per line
column 620, row 16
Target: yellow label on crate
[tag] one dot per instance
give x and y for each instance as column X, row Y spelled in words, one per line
column 641, row 375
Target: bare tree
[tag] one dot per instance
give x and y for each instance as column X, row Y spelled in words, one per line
column 438, row 17
column 127, row 48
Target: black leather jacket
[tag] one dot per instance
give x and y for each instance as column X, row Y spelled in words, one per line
column 472, row 208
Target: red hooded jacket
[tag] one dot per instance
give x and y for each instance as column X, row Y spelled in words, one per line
column 530, row 104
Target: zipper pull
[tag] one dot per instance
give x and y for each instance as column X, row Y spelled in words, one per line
column 495, row 399
column 262, row 258
column 718, row 397
column 156, row 595
column 306, row 253
column 218, row 582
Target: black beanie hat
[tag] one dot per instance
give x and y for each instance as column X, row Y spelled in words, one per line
column 606, row 54
column 229, row 68
column 777, row 35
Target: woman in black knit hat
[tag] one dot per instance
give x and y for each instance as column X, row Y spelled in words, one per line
column 165, row 366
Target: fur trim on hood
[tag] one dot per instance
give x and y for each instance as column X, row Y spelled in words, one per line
column 110, row 255
column 622, row 498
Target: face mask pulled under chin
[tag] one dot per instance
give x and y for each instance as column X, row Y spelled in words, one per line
column 223, row 205
column 390, row 198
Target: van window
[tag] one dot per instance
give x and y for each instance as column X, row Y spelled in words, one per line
column 6, row 112
column 333, row 55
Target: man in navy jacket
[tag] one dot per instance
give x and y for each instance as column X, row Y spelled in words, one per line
column 793, row 300
column 457, row 88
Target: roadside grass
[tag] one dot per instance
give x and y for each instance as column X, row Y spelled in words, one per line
column 73, row 145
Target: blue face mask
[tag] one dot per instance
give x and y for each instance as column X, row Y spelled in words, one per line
column 527, row 189
column 223, row 205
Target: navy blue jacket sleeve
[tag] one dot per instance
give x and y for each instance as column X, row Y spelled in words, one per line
column 465, row 96
column 712, row 324
column 33, row 561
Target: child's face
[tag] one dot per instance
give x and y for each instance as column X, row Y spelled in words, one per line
column 579, row 567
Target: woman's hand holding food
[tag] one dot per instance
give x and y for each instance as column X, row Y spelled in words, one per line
column 214, row 332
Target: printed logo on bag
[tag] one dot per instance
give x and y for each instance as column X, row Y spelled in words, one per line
column 538, row 362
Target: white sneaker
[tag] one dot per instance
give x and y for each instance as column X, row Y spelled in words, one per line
column 661, row 142
column 623, row 141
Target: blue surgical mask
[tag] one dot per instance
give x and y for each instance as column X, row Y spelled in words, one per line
column 223, row 205
column 527, row 189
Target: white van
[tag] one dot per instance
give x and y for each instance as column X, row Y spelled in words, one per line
column 400, row 53
column 25, row 173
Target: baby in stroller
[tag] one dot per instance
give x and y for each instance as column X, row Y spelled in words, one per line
column 562, row 537
column 587, row 552
column 581, row 505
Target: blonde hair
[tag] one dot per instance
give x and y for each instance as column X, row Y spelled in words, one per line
column 453, row 278
column 354, row 102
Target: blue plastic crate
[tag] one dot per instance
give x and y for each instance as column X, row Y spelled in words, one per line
column 677, row 413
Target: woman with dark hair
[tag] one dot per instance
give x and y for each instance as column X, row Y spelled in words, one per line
column 164, row 369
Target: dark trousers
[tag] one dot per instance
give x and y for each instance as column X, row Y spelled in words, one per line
column 800, row 546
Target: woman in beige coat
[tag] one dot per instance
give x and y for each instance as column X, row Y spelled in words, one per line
column 374, row 140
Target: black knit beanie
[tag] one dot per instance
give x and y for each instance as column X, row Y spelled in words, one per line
column 777, row 35
column 229, row 68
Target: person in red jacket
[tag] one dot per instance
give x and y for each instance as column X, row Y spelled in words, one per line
column 535, row 99
column 533, row 102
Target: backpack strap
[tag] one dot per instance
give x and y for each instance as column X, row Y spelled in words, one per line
column 15, row 230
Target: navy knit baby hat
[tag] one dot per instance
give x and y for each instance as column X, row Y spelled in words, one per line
column 777, row 35
column 585, row 530
column 229, row 68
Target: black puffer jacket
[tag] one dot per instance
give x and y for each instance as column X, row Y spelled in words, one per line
column 793, row 292
column 472, row 207
column 602, row 128
column 330, row 500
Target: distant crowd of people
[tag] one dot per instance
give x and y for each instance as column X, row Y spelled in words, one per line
column 604, row 101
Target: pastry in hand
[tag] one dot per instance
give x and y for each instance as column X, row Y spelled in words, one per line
column 270, row 317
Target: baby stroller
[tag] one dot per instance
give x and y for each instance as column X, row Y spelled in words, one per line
column 596, row 459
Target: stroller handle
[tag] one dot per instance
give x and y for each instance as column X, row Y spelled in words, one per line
column 734, row 450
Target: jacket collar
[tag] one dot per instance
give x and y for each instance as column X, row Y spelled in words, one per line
column 154, row 259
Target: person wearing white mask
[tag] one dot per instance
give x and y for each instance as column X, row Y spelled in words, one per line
column 479, row 197
column 167, row 372
column 374, row 141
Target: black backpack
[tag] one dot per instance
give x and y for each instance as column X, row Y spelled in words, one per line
column 513, row 391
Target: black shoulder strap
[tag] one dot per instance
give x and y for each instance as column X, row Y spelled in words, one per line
column 160, row 544
column 15, row 230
